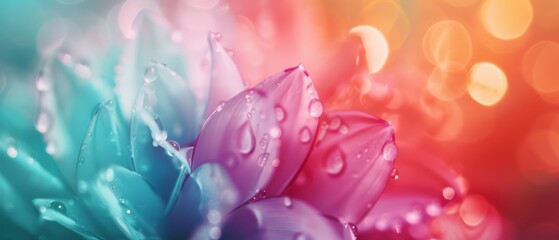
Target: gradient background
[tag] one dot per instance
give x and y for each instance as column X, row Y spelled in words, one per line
column 475, row 82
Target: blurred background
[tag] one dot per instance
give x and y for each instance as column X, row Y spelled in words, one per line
column 474, row 82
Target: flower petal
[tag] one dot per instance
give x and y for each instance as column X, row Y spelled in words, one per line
column 105, row 143
column 153, row 156
column 349, row 165
column 126, row 201
column 176, row 106
column 263, row 135
column 409, row 203
column 15, row 209
column 206, row 196
column 66, row 99
column 226, row 81
column 279, row 218
column 63, row 217
column 26, row 172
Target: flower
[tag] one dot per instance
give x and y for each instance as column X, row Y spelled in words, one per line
column 165, row 155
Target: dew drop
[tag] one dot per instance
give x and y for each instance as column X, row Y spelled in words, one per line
column 335, row 124
column 12, row 152
column 150, row 74
column 351, row 227
column 58, row 206
column 173, row 144
column 51, row 148
column 315, row 108
column 109, row 175
column 335, row 163
column 276, row 163
column 310, row 88
column 394, row 175
column 280, row 113
column 262, row 159
column 275, row 132
column 344, row 129
column 305, row 135
column 287, row 202
column 389, row 151
column 41, row 84
column 245, row 138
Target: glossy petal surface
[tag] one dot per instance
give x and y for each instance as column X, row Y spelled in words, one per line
column 225, row 81
column 409, row 203
column 349, row 165
column 262, row 135
column 279, row 218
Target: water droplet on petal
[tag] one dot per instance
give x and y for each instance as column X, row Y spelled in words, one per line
column 394, row 175
column 41, row 84
column 344, row 129
column 305, row 135
column 335, row 124
column 58, row 206
column 150, row 74
column 51, row 148
column 280, row 113
column 262, row 159
column 275, row 132
column 173, row 144
column 389, row 151
column 315, row 108
column 287, row 202
column 276, row 163
column 351, row 227
column 83, row 70
column 245, row 138
column 310, row 88
column 109, row 175
column 335, row 163
column 12, row 152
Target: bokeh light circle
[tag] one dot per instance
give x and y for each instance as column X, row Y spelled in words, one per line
column 507, row 19
column 447, row 45
column 488, row 83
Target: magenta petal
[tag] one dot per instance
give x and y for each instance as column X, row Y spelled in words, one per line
column 349, row 166
column 262, row 135
column 226, row 81
column 279, row 218
column 410, row 202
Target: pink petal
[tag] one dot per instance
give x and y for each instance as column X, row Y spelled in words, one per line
column 349, row 166
column 422, row 187
column 280, row 218
column 262, row 135
column 226, row 81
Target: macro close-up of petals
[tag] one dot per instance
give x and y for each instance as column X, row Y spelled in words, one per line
column 298, row 120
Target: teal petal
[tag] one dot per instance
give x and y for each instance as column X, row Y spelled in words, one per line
column 64, row 219
column 153, row 155
column 207, row 196
column 15, row 209
column 66, row 99
column 127, row 202
column 105, row 144
column 177, row 105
